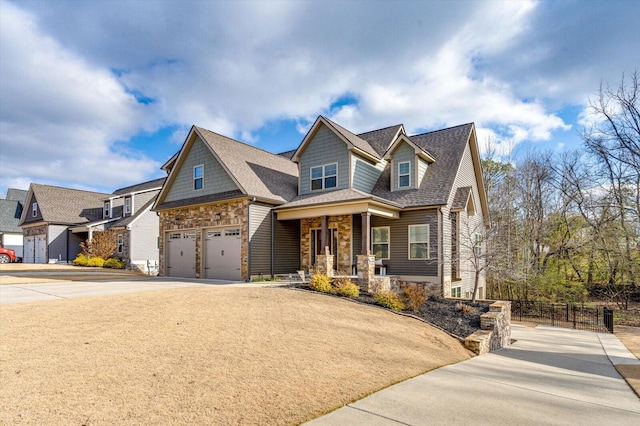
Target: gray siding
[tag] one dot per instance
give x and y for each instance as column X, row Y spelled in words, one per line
column 403, row 153
column 422, row 169
column 365, row 174
column 399, row 263
column 324, row 148
column 29, row 212
column 216, row 179
column 286, row 246
column 57, row 240
column 74, row 245
column 259, row 239
column 139, row 200
column 356, row 235
column 143, row 238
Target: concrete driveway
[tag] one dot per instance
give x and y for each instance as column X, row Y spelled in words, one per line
column 550, row 376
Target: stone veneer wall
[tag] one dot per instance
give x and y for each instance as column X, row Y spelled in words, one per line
column 343, row 225
column 198, row 218
column 35, row 230
column 495, row 329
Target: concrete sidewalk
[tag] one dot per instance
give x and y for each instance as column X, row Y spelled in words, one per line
column 549, row 376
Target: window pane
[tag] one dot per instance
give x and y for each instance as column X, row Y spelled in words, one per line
column 380, row 235
column 381, row 251
column 403, row 168
column 418, row 251
column 330, row 170
column 198, row 171
column 316, row 172
column 418, row 233
column 316, row 184
column 197, row 184
column 330, row 182
column 403, row 181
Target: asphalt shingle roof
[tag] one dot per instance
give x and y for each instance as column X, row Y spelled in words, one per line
column 341, row 195
column 156, row 183
column 10, row 211
column 67, row 206
column 260, row 173
column 381, row 139
column 201, row 199
column 356, row 141
column 461, row 198
column 17, row 195
column 447, row 147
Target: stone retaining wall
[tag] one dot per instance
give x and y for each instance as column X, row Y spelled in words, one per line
column 495, row 329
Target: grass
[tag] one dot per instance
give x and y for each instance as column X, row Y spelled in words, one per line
column 204, row 355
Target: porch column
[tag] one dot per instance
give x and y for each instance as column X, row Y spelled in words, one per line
column 324, row 261
column 324, row 236
column 366, row 234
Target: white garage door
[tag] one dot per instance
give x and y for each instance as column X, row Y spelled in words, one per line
column 181, row 254
column 41, row 249
column 29, row 249
column 222, row 254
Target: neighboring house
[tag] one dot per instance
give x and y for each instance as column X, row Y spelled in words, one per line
column 10, row 212
column 231, row 211
column 47, row 218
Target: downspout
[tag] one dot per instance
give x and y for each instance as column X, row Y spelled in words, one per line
column 251, row 201
column 273, row 214
column 441, row 250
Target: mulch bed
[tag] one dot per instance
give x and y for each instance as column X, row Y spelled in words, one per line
column 439, row 312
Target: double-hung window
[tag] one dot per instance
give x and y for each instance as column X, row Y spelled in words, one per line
column 456, row 292
column 34, row 209
column 404, row 174
column 418, row 242
column 380, row 242
column 198, row 177
column 127, row 205
column 120, row 243
column 106, row 210
column 477, row 244
column 324, row 177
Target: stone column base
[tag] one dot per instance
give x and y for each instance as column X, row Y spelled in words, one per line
column 324, row 264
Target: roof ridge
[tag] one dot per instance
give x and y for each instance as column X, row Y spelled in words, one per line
column 139, row 184
column 382, row 128
column 240, row 142
column 442, row 130
column 68, row 189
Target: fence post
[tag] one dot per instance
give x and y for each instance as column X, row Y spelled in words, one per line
column 574, row 308
column 607, row 316
column 566, row 308
column 553, row 314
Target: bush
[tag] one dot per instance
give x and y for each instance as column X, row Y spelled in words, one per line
column 96, row 262
column 414, row 296
column 321, row 282
column 344, row 287
column 81, row 260
column 465, row 308
column 113, row 263
column 389, row 299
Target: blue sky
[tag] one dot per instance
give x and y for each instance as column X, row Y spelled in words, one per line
column 99, row 94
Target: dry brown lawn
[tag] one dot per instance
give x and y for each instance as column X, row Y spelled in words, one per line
column 204, row 356
column 34, row 273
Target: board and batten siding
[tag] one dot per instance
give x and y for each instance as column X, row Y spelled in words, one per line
column 468, row 224
column 399, row 263
column 403, row 154
column 215, row 180
column 286, row 246
column 259, row 239
column 364, row 174
column 324, row 148
column 57, row 239
column 143, row 239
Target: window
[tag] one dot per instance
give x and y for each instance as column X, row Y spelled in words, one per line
column 477, row 244
column 106, row 210
column 323, row 177
column 456, row 292
column 418, row 242
column 380, row 242
column 455, row 252
column 404, row 173
column 34, row 209
column 231, row 232
column 120, row 243
column 127, row 205
column 198, row 177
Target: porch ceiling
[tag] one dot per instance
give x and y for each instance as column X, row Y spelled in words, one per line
column 364, row 206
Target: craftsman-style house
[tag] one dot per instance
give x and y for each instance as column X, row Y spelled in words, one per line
column 375, row 205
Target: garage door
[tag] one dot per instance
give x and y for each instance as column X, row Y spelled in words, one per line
column 29, row 248
column 222, row 254
column 41, row 249
column 181, row 254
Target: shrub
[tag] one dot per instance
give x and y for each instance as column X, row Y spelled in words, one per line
column 465, row 308
column 389, row 299
column 322, row 283
column 113, row 263
column 81, row 260
column 96, row 262
column 414, row 296
column 346, row 288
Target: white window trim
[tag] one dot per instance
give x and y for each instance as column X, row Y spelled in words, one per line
column 409, row 242
column 128, row 208
column 106, row 209
column 388, row 243
column 311, row 179
column 34, row 209
column 195, row 178
column 404, row 174
column 459, row 291
column 120, row 242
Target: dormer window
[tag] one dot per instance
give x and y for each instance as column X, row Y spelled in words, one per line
column 34, row 209
column 127, row 205
column 404, row 174
column 324, row 177
column 106, row 210
column 198, row 177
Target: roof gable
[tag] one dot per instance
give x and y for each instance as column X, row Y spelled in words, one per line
column 17, row 195
column 418, row 150
column 139, row 187
column 64, row 205
column 381, row 139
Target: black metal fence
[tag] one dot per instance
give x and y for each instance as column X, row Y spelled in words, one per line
column 579, row 317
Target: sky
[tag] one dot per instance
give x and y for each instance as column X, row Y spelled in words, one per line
column 97, row 95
